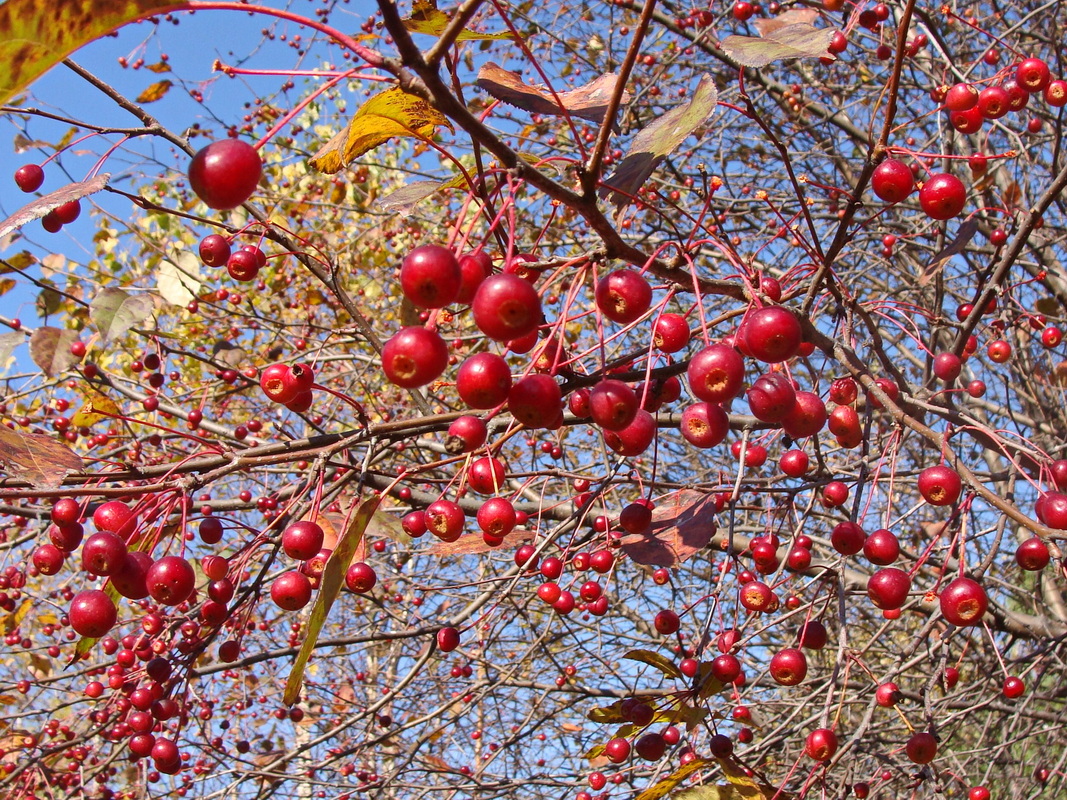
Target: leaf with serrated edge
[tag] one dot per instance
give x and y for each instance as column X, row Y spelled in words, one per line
column 426, row 18
column 657, row 660
column 792, row 41
column 114, row 312
column 653, row 143
column 42, row 205
column 50, row 349
column 39, row 460
column 333, row 578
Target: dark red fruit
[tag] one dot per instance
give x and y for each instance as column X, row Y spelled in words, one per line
column 486, row 475
column 793, row 463
column 225, row 173
column 651, row 746
column 623, row 296
column 473, row 269
column 466, row 434
column 847, row 538
column 535, row 401
column 942, row 196
column 963, row 602
column 131, row 578
column 1013, row 687
column 170, row 580
column 506, row 307
column 772, row 397
column 993, row 102
column 29, row 177
column 48, row 559
column 612, row 404
column 881, row 547
column 360, row 578
column 92, row 613
column 921, row 747
column 807, row 416
column 497, row 517
column 1033, row 554
column 1033, row 75
column 115, row 516
column 947, row 366
column 414, row 357
column 617, row 750
column 940, row 485
column 483, row 380
column 813, row 635
column 635, row 438
column 821, row 744
column 705, row 424
column 772, row 334
column 430, row 276
column 302, row 539
column 670, row 334
column 666, row 622
column 215, row 250
column 447, row 639
column 892, row 181
column 716, row 373
column 445, row 520
column 636, row 517
column 291, row 590
column 888, row 588
column 961, row 97
column 103, row 553
column 789, row 667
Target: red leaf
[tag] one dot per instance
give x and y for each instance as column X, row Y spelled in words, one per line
column 42, row 205
column 681, row 526
column 472, row 543
column 39, row 460
column 588, row 102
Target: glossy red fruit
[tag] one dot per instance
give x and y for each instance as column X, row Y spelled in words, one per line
column 170, row 580
column 716, row 373
column 486, row 475
column 651, row 746
column 993, row 102
column 1013, row 688
column 942, row 196
column 789, row 667
column 794, row 463
column 1056, row 93
column 961, row 97
column 466, row 434
column 447, row 639
column 892, row 181
column 887, row 695
column 921, row 747
column 130, row 579
column 29, row 177
column 881, row 547
column 535, row 401
column 483, row 380
column 473, row 269
column 1033, row 75
column 704, row 424
column 623, row 296
column 302, row 539
column 48, row 559
column 115, row 516
column 636, row 517
column 278, row 384
column 969, row 121
column 963, row 602
column 813, row 635
column 497, row 517
column 821, row 744
column 103, row 553
column 757, row 596
column 635, row 438
column 772, row 334
column 430, row 276
column 92, row 613
column 670, row 333
column 940, row 485
column 978, row 793
column 506, row 307
column 947, row 366
column 771, row 397
column 225, row 173
column 888, row 588
column 612, row 404
column 215, row 250
column 807, row 416
column 1033, row 554
column 291, row 590
column 847, row 538
column 414, row 357
column 360, row 577
column 445, row 520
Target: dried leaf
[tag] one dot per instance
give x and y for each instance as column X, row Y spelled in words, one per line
column 39, row 460
column 158, row 67
column 800, row 40
column 42, row 205
column 963, row 237
column 426, row 18
column 96, row 408
column 472, row 543
column 115, row 311
column 792, row 16
column 404, row 199
column 1048, row 306
column 333, row 578
column 666, row 785
column 155, row 92
column 8, row 343
column 607, row 714
column 587, row 102
column 657, row 660
column 6, row 285
column 178, row 281
column 10, row 621
column 717, row 791
column 680, row 527
column 50, row 349
column 389, row 114
column 37, row 34
column 652, row 144
column 21, row 260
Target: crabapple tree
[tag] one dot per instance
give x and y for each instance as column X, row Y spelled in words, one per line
column 629, row 399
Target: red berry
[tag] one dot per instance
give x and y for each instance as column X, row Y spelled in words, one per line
column 414, row 357
column 993, row 102
column 302, row 539
column 612, row 404
column 704, row 424
column 92, row 613
column 225, row 173
column 506, row 307
column 942, row 196
column 921, row 747
column 535, row 401
column 892, row 181
column 29, row 177
column 447, row 639
column 940, row 485
column 291, row 590
column 772, row 334
column 716, row 373
column 473, row 269
column 1033, row 554
column 483, row 380
column 821, row 744
column 623, row 296
column 961, row 97
column 1013, row 688
column 963, row 602
column 215, row 250
column 430, row 276
column 789, row 667
column 888, row 588
column 170, row 580
column 1033, row 75
column 671, row 333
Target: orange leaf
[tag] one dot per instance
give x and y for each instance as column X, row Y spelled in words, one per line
column 37, row 34
column 155, row 92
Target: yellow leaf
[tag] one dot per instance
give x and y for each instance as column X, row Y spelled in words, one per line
column 21, row 260
column 426, row 18
column 391, row 114
column 14, row 619
column 37, row 34
column 671, row 782
column 155, row 92
column 6, row 285
column 657, row 660
column 96, row 408
column 332, row 580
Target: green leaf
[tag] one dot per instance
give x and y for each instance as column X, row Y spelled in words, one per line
column 657, row 660
column 114, row 312
column 50, row 349
column 333, row 577
column 35, row 35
